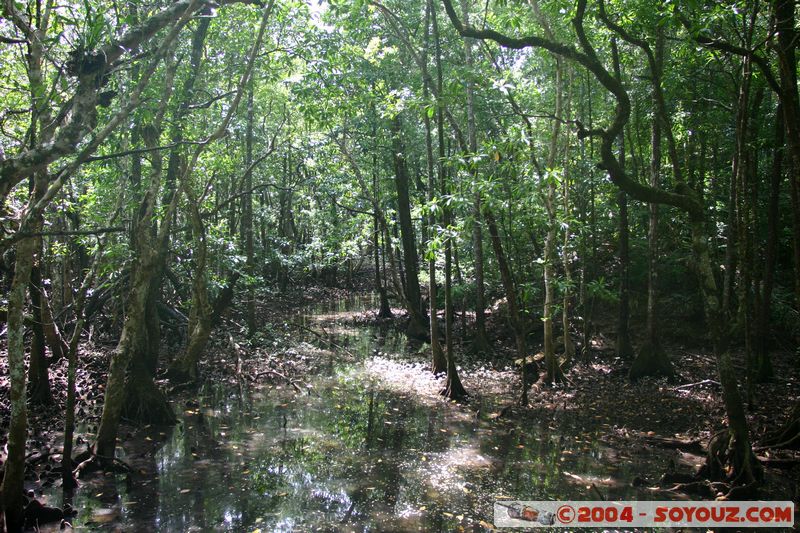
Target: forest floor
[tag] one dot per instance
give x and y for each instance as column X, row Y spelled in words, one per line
column 682, row 413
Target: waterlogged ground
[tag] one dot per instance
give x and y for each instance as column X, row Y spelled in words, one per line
column 364, row 444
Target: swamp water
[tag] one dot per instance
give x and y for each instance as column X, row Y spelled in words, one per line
column 356, row 449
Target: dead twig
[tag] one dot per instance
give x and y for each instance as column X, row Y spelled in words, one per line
column 325, row 338
column 698, row 384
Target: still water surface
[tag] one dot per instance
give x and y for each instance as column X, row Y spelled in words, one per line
column 355, row 450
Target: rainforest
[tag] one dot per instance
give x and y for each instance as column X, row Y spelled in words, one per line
column 376, row 265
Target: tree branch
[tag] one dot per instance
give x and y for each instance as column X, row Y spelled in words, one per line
column 136, row 151
column 723, row 46
column 587, row 57
column 71, row 233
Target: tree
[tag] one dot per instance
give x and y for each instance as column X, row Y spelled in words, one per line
column 734, row 450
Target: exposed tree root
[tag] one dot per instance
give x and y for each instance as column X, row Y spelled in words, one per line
column 788, row 435
column 144, row 402
column 94, row 463
column 728, row 473
column 725, row 461
column 37, row 514
column 453, row 389
column 689, row 446
column 651, row 361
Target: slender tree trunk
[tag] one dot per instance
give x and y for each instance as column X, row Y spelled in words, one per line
column 624, row 348
column 517, row 323
column 247, row 218
column 416, row 327
column 480, row 341
column 784, row 11
column 453, row 389
column 39, row 377
column 185, row 367
column 438, row 359
column 553, row 372
column 14, row 476
column 384, row 311
column 566, row 252
column 67, row 466
column 763, row 370
column 652, row 360
column 588, row 270
column 12, row 486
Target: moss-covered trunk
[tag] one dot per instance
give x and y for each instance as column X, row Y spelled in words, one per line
column 13, row 478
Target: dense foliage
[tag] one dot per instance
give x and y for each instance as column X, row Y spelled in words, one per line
column 606, row 166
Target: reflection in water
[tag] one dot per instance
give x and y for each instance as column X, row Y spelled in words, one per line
column 357, row 453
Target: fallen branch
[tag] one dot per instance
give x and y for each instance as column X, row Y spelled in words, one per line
column 324, row 338
column 597, row 491
column 690, row 446
column 699, row 383
column 288, row 380
column 786, row 463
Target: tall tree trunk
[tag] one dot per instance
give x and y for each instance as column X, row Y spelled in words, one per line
column 517, row 323
column 39, row 377
column 438, row 359
column 416, row 324
column 12, row 486
column 453, row 389
column 131, row 344
column 763, row 370
column 67, row 466
column 185, row 367
column 734, row 448
column 384, row 310
column 553, row 372
column 588, row 270
column 566, row 252
column 652, row 360
column 624, row 348
column 247, row 217
column 480, row 341
column 784, row 11
column 143, row 401
column 14, row 476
